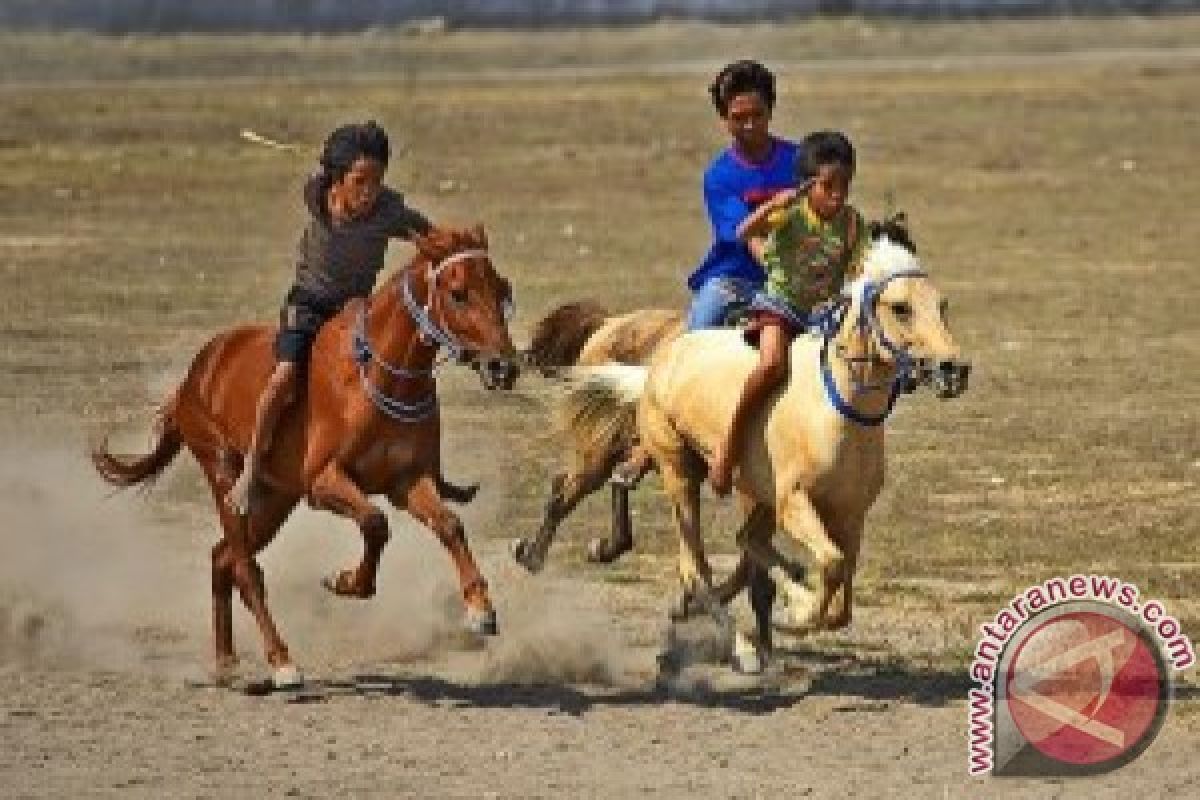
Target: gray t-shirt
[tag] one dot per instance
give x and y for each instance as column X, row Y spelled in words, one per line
column 338, row 261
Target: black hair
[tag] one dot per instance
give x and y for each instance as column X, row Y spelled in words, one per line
column 741, row 77
column 894, row 227
column 822, row 148
column 349, row 143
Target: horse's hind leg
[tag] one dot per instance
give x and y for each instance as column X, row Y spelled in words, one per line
column 422, row 501
column 233, row 565
column 222, row 594
column 567, row 490
column 334, row 490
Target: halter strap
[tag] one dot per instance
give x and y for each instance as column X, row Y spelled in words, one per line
column 868, row 324
column 429, row 332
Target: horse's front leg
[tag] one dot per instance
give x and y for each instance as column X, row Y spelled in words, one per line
column 565, row 493
column 842, row 610
column 334, row 490
column 422, row 501
column 803, row 524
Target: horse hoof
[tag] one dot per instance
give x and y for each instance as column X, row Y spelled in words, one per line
column 784, row 622
column 481, row 623
column 603, row 551
column 747, row 663
column 287, row 677
column 341, row 584
column 522, row 552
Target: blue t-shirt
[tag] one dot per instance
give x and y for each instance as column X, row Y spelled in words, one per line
column 733, row 187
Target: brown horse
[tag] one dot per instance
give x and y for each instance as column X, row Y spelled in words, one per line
column 367, row 424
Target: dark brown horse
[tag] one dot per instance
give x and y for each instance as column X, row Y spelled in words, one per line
column 367, row 424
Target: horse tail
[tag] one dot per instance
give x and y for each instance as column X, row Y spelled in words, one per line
column 168, row 442
column 560, row 336
column 599, row 411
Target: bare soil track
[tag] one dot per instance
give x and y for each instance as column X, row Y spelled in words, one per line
column 1054, row 205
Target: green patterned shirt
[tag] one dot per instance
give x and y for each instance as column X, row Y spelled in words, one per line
column 808, row 260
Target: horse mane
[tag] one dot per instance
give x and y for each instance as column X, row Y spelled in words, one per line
column 895, row 228
column 891, row 252
column 559, row 337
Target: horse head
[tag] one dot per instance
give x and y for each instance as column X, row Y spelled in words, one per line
column 468, row 303
column 904, row 314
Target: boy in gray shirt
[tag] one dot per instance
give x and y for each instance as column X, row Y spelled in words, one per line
column 340, row 253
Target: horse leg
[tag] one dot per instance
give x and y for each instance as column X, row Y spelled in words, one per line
column 233, row 565
column 422, row 501
column 236, row 562
column 754, row 538
column 620, row 540
column 749, row 655
column 762, row 600
column 843, row 606
column 695, row 573
column 625, row 478
column 333, row 490
column 222, row 594
column 567, row 490
column 803, row 524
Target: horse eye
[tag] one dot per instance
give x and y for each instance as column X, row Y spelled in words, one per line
column 459, row 296
column 901, row 309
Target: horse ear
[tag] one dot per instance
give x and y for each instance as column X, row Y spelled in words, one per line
column 427, row 244
column 480, row 235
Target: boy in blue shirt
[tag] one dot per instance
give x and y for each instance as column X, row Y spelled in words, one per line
column 750, row 171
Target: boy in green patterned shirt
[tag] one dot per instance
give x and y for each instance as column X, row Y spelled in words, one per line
column 815, row 242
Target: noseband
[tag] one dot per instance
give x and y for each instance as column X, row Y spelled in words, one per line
column 429, row 331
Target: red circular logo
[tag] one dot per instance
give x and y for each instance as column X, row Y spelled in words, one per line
column 1086, row 688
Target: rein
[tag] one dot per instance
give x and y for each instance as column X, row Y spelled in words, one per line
column 428, row 331
column 868, row 324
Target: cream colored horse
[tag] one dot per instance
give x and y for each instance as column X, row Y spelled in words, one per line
column 813, row 460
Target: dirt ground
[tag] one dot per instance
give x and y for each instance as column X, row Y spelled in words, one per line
column 1048, row 170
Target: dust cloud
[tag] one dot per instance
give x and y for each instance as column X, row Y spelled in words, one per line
column 97, row 579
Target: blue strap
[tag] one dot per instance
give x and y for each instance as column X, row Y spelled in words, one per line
column 867, row 323
column 399, row 410
column 429, row 329
column 844, row 408
column 363, row 354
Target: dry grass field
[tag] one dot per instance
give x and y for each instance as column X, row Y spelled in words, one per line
column 1048, row 169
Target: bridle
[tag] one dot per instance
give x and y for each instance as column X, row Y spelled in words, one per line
column 868, row 324
column 429, row 330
